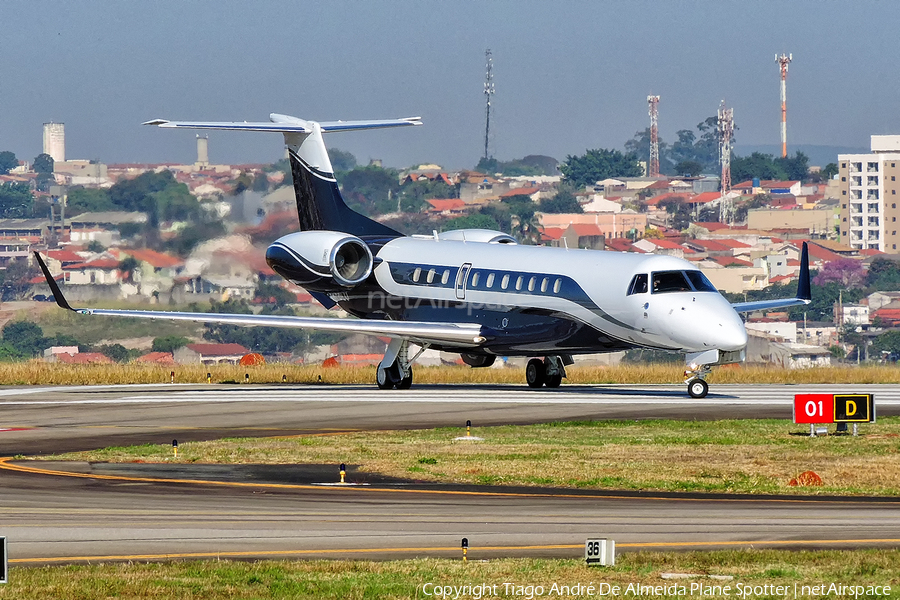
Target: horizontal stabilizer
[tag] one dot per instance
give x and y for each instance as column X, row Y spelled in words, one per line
column 287, row 124
column 804, row 292
column 464, row 335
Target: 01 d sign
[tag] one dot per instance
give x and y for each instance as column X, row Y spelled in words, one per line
column 834, row 408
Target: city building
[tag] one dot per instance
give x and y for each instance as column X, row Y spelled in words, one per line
column 55, row 141
column 868, row 184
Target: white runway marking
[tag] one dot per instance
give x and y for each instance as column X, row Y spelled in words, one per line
column 721, row 395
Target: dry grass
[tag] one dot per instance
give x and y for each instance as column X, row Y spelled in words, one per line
column 406, row 578
column 37, row 372
column 738, row 456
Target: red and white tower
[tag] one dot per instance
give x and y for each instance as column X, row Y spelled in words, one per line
column 726, row 131
column 784, row 61
column 653, row 101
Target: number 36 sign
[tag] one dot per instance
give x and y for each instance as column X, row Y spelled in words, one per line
column 834, row 408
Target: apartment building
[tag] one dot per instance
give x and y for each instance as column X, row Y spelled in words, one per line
column 869, row 184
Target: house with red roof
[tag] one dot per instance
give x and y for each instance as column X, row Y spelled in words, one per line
column 156, row 358
column 100, row 271
column 446, row 206
column 767, row 186
column 661, row 246
column 582, row 235
column 209, row 354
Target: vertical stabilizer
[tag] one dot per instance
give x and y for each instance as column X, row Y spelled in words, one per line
column 319, row 201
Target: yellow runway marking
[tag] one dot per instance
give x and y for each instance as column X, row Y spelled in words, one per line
column 454, row 549
column 5, row 465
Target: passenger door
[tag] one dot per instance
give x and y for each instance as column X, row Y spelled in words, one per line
column 461, row 276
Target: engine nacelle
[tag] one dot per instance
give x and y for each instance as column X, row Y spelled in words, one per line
column 315, row 257
column 487, row 236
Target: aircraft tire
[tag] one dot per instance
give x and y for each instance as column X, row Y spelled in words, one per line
column 384, row 380
column 535, row 373
column 698, row 388
column 406, row 382
column 553, row 381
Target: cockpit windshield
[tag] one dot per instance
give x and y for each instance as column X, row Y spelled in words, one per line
column 678, row 281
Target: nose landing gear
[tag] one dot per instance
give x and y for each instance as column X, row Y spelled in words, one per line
column 549, row 371
column 696, row 381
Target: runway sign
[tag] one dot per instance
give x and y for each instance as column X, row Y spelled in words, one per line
column 600, row 551
column 834, row 408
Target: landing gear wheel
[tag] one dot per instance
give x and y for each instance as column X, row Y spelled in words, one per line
column 384, row 380
column 535, row 373
column 406, row 382
column 553, row 381
column 698, row 388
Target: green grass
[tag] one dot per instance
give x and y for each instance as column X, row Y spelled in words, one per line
column 733, row 456
column 405, row 578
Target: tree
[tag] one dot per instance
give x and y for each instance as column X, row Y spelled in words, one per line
column 688, row 168
column 341, row 160
column 883, row 275
column 260, row 183
column 127, row 267
column 596, row 165
column 16, row 201
column 759, row 165
column 169, row 343
column 371, row 190
column 848, row 273
column 95, row 246
column 241, row 184
column 43, row 164
column 88, row 200
column 25, row 337
column 412, row 195
column 473, row 221
column 639, row 145
column 563, row 202
column 117, row 352
column 16, row 279
column 533, row 164
column 829, row 171
column 274, row 294
column 8, row 162
column 794, row 167
column 888, row 342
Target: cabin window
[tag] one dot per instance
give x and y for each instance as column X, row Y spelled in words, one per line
column 700, row 282
column 504, row 283
column 474, row 279
column 416, row 274
column 557, row 285
column 531, row 284
column 519, row 282
column 430, row 277
column 638, row 284
column 670, row 281
column 490, row 281
column 445, row 277
column 544, row 283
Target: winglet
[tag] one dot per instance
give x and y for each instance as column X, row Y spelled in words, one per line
column 54, row 287
column 804, row 291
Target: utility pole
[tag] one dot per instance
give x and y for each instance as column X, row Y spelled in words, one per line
column 783, row 61
column 726, row 131
column 653, row 170
column 488, row 92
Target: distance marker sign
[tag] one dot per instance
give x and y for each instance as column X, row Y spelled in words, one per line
column 834, row 408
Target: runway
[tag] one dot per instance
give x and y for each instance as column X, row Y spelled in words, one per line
column 135, row 512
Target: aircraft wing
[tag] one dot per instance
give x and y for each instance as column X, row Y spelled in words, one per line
column 804, row 294
column 287, row 124
column 467, row 335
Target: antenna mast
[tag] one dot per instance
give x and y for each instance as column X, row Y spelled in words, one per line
column 726, row 131
column 653, row 101
column 783, row 62
column 488, row 92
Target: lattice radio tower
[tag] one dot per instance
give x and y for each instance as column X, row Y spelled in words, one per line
column 488, row 92
column 726, row 132
column 783, row 61
column 653, row 170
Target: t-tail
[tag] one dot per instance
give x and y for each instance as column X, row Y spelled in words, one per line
column 320, row 205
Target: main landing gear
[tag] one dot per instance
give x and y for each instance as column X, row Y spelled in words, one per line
column 549, row 371
column 395, row 369
column 695, row 378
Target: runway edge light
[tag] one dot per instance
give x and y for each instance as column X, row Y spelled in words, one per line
column 465, row 549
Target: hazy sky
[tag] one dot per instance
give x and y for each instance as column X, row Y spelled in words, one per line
column 569, row 75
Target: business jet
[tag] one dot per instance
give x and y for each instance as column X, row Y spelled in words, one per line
column 473, row 291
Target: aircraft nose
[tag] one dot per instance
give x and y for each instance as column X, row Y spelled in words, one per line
column 707, row 322
column 728, row 333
